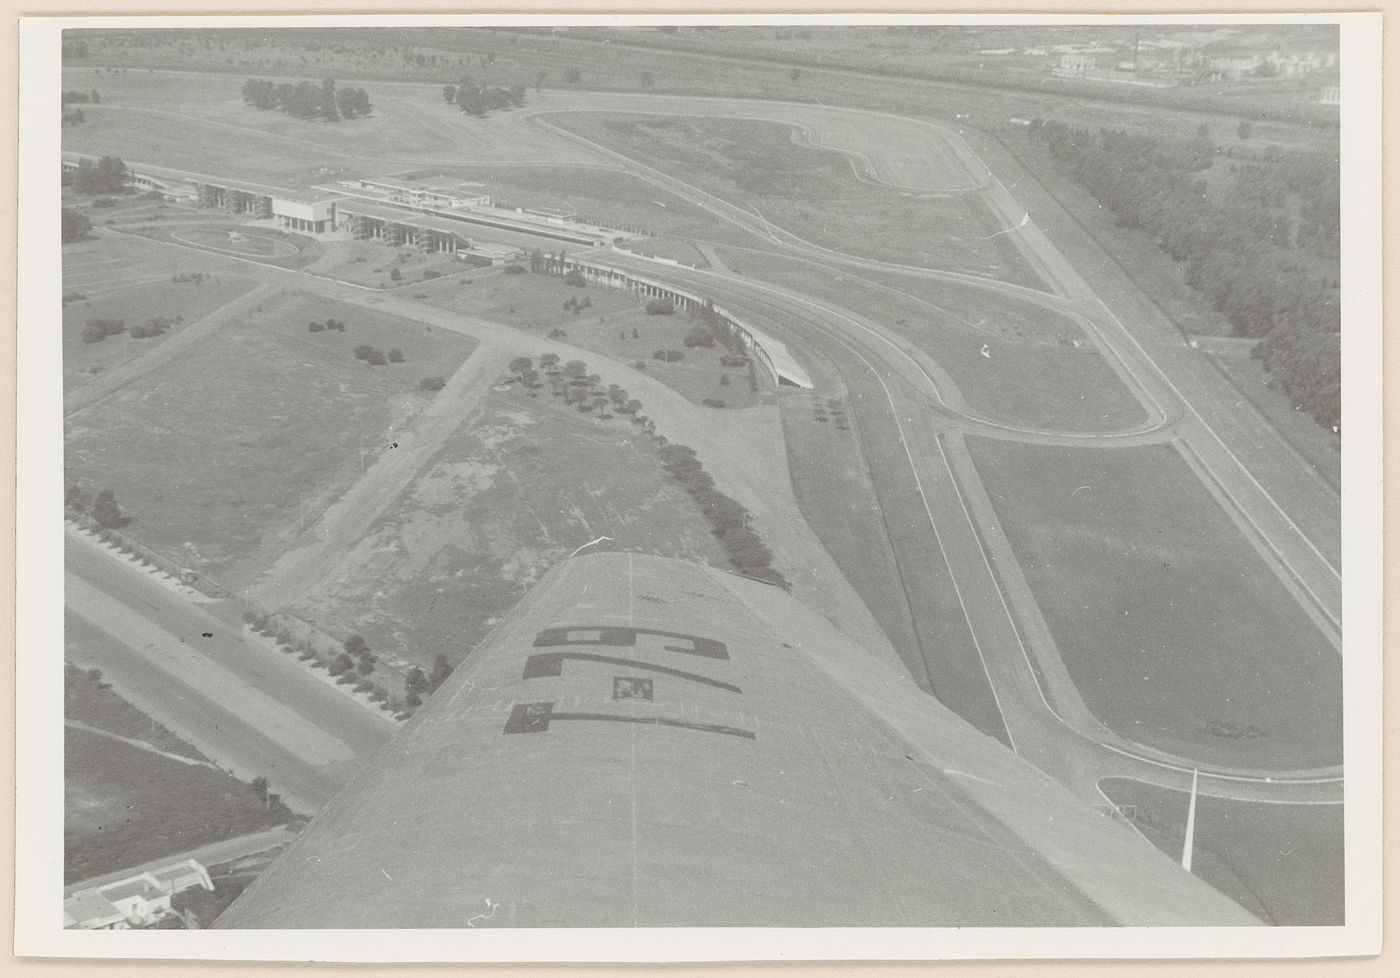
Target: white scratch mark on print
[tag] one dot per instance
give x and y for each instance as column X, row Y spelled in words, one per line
column 589, row 544
column 492, row 905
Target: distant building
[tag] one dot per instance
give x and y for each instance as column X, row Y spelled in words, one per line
column 138, row 899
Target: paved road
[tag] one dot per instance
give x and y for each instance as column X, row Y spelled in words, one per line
column 1256, row 485
column 1286, row 509
column 252, row 710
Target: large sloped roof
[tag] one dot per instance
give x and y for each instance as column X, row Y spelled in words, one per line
column 649, row 742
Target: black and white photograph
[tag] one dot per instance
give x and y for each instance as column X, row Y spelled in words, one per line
column 870, row 486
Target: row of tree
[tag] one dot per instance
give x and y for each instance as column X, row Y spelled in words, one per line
column 305, row 100
column 727, row 517
column 1263, row 251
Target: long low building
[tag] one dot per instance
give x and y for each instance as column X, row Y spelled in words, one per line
column 368, row 222
column 781, row 366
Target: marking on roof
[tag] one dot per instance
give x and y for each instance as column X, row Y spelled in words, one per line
column 632, row 688
column 620, row 637
column 551, row 664
column 536, row 718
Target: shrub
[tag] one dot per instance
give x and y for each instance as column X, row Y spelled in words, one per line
column 733, row 360
column 72, row 297
column 515, row 269
column 92, row 333
column 314, row 327
column 376, row 358
column 713, row 402
column 660, row 307
column 668, row 356
column 699, row 336
column 396, row 355
column 395, row 275
column 363, row 351
column 432, row 383
column 104, row 202
column 575, row 277
column 431, row 274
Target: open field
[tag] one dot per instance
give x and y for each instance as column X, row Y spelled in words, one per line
column 1281, row 862
column 88, row 700
column 180, row 303
column 815, row 193
column 124, row 806
column 1175, row 632
column 189, row 121
column 372, row 262
column 521, row 485
column 268, row 421
column 1033, row 375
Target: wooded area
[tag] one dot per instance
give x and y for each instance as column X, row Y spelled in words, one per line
column 1264, row 251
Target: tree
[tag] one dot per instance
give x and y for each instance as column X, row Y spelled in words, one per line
column 576, row 369
column 363, row 351
column 648, row 80
column 432, row 383
column 328, row 109
column 633, row 406
column 107, row 176
column 395, row 355
column 795, row 74
column 1245, row 129
column 416, row 684
column 75, row 225
column 519, row 365
column 573, row 75
column 549, row 361
column 441, row 670
column 96, row 97
column 355, row 644
column 449, row 93
column 106, row 511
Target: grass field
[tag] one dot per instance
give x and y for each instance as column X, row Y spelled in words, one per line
column 814, row 193
column 182, row 302
column 521, row 485
column 372, row 263
column 1032, row 375
column 1282, row 862
column 192, row 121
column 88, row 700
column 1173, row 628
column 1321, row 447
column 264, row 417
column 124, row 806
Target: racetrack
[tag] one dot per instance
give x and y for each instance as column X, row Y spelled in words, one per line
column 977, row 629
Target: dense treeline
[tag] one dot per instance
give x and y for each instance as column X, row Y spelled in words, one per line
column 107, row 176
column 307, row 101
column 477, row 100
column 1265, row 255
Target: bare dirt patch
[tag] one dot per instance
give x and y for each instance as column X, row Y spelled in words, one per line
column 523, row 484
